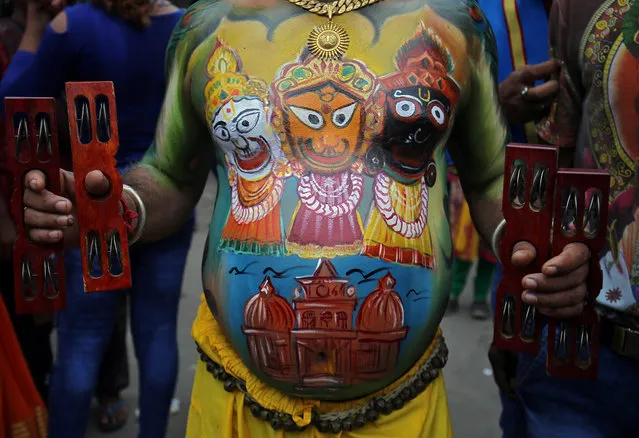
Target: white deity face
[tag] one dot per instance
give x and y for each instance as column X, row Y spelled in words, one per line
column 240, row 127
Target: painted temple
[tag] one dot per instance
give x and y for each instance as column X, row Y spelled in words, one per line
column 314, row 343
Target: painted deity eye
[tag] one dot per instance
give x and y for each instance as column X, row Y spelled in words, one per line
column 343, row 116
column 437, row 114
column 222, row 133
column 309, row 117
column 246, row 121
column 405, row 108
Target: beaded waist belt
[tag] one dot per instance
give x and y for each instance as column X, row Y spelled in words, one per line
column 351, row 419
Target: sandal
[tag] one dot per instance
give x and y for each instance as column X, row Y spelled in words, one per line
column 113, row 415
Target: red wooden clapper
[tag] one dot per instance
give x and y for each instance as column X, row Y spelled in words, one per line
column 550, row 207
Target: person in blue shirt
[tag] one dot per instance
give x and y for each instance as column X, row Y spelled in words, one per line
column 520, row 28
column 527, row 87
column 123, row 42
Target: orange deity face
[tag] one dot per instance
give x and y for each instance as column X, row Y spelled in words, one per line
column 324, row 128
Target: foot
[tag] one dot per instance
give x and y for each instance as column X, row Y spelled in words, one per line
column 113, row 414
column 480, row 311
column 453, row 306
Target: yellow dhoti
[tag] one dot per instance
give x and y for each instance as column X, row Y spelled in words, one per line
column 216, row 413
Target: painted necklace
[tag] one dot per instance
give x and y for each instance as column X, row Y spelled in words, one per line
column 383, row 200
column 330, row 41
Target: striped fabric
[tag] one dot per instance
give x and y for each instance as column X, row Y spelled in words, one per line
column 521, row 31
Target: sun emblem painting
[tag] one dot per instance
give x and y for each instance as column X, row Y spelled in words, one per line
column 328, row 41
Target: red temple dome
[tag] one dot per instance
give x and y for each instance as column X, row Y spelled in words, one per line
column 382, row 310
column 268, row 311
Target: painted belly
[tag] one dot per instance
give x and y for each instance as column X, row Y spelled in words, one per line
column 328, row 265
column 324, row 328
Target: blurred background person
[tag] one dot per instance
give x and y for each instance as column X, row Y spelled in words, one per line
column 25, row 351
column 32, row 331
column 527, row 87
column 123, row 42
column 527, row 77
column 12, row 22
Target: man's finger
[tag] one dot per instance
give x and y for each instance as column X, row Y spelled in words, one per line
column 532, row 73
column 543, row 92
column 97, row 184
column 567, row 298
column 35, row 180
column 38, row 219
column 524, row 253
column 573, row 256
column 544, row 284
column 39, row 235
column 47, row 202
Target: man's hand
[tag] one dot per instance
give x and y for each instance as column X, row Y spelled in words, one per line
column 559, row 291
column 523, row 102
column 50, row 217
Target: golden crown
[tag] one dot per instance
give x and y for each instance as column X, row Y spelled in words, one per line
column 348, row 74
column 226, row 80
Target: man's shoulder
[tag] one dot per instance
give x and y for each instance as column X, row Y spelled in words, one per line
column 462, row 13
column 197, row 22
column 203, row 11
column 468, row 17
column 206, row 5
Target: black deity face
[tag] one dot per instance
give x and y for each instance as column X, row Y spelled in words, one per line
column 416, row 119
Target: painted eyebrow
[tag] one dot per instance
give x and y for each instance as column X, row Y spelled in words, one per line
column 221, row 122
column 407, row 96
column 303, row 107
column 247, row 111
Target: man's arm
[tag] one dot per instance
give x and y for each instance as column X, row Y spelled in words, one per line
column 477, row 144
column 172, row 175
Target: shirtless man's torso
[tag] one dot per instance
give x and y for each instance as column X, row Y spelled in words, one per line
column 328, row 260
